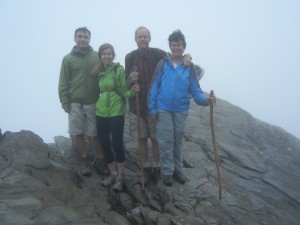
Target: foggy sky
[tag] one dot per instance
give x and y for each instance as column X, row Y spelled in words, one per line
column 250, row 51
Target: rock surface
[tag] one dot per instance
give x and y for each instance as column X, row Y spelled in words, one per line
column 40, row 183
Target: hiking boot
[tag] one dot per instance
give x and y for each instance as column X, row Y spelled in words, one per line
column 110, row 180
column 155, row 174
column 101, row 166
column 168, row 180
column 86, row 167
column 119, row 184
column 178, row 176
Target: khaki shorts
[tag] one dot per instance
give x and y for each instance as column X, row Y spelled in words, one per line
column 147, row 126
column 82, row 119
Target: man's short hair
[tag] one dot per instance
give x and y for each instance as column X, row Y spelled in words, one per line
column 82, row 29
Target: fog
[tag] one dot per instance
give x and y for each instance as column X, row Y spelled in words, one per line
column 250, row 51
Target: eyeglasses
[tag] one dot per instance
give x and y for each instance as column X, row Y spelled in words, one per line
column 178, row 45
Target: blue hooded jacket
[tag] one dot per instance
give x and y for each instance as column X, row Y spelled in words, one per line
column 172, row 88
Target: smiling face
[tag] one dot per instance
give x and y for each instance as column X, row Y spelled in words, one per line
column 107, row 56
column 177, row 48
column 82, row 40
column 142, row 38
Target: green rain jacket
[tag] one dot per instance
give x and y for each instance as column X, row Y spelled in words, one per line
column 111, row 102
column 76, row 83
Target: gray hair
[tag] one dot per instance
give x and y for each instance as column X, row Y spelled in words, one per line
column 140, row 28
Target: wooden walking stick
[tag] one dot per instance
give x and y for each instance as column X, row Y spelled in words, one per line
column 214, row 142
column 137, row 99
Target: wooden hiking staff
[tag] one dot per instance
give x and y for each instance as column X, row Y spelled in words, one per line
column 137, row 99
column 211, row 103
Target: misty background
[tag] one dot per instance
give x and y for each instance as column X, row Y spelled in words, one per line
column 250, row 51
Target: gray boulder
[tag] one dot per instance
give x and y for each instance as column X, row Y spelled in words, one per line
column 41, row 184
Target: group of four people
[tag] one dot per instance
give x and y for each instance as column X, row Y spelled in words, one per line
column 96, row 103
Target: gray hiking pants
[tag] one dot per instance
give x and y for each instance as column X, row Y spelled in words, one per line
column 169, row 133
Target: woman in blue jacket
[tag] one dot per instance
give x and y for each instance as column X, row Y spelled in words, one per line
column 169, row 102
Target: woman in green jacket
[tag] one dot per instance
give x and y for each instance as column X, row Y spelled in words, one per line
column 110, row 110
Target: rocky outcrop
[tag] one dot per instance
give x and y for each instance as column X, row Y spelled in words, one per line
column 40, row 183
